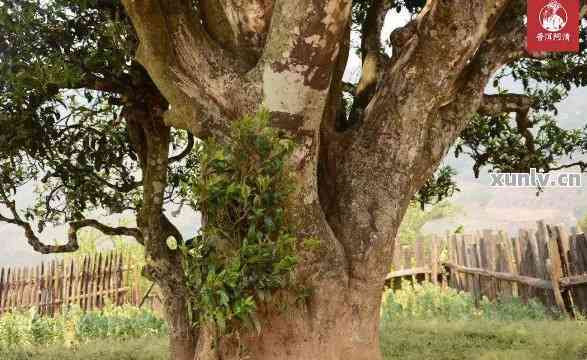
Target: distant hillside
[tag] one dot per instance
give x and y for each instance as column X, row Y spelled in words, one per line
column 511, row 209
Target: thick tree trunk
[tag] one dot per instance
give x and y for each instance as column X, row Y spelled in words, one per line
column 340, row 323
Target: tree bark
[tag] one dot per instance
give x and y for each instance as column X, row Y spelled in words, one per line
column 339, row 323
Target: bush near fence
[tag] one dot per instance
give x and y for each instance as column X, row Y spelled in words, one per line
column 75, row 326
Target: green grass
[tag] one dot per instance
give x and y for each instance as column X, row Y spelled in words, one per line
column 145, row 348
column 427, row 322
column 406, row 339
column 484, row 339
column 421, row 322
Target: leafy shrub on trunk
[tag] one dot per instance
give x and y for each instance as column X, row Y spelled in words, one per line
column 246, row 247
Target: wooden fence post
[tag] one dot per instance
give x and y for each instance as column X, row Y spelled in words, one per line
column 579, row 267
column 70, row 284
column 467, row 278
column 435, row 259
column 540, row 245
column 52, row 288
column 110, row 287
column 418, row 255
column 458, row 283
column 563, row 241
column 556, row 271
column 511, row 259
column 2, row 287
column 490, row 253
column 451, row 259
column 120, row 280
column 98, row 281
column 445, row 273
column 477, row 280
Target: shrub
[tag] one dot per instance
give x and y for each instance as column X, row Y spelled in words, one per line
column 246, row 249
column 513, row 309
column 428, row 301
column 119, row 322
column 73, row 326
column 13, row 330
column 144, row 348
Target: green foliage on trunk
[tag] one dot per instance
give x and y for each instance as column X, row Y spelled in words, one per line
column 246, row 246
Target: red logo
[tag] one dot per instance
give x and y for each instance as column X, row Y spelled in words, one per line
column 553, row 26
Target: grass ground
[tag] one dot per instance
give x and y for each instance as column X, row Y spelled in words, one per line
column 407, row 340
column 421, row 322
column 146, row 348
column 485, row 340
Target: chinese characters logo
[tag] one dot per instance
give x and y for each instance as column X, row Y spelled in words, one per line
column 553, row 26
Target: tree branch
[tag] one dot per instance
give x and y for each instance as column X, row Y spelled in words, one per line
column 185, row 152
column 32, row 239
column 300, row 63
column 373, row 58
column 238, row 26
column 524, row 125
column 373, row 25
column 74, row 226
column 119, row 86
column 500, row 48
column 404, row 133
column 493, row 105
column 72, row 243
column 581, row 164
column 201, row 81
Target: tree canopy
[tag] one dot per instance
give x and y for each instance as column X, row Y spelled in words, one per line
column 67, row 76
column 67, row 72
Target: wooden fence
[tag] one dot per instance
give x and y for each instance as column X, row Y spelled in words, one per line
column 548, row 264
column 90, row 282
